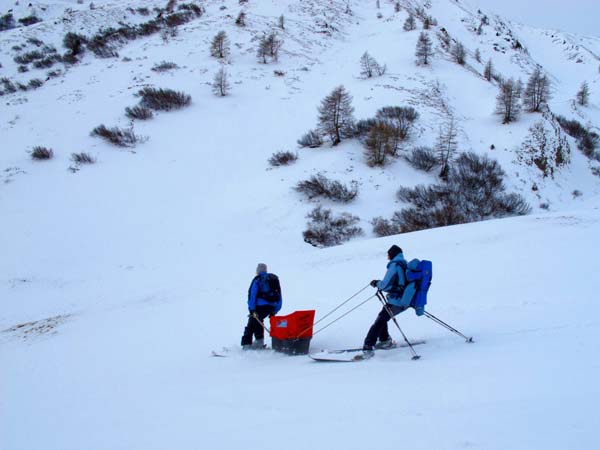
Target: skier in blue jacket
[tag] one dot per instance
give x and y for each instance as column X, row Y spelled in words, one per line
column 393, row 284
column 264, row 299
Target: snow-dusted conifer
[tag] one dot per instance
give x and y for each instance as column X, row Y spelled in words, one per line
column 369, row 67
column 459, row 53
column 221, row 84
column 508, row 103
column 537, row 91
column 424, row 49
column 336, row 118
column 446, row 146
column 488, row 71
column 410, row 24
column 219, row 48
column 583, row 94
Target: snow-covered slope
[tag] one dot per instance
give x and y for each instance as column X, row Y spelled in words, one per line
column 139, row 375
column 119, row 278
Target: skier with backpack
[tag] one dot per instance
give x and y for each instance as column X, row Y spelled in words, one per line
column 264, row 299
column 400, row 286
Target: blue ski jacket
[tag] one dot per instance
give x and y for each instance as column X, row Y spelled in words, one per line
column 394, row 283
column 254, row 299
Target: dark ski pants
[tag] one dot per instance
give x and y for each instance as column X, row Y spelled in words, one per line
column 254, row 328
column 379, row 329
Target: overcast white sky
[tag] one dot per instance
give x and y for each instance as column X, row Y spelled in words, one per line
column 575, row 16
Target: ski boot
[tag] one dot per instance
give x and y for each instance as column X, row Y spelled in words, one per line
column 388, row 343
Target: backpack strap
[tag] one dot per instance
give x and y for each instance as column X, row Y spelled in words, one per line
column 398, row 290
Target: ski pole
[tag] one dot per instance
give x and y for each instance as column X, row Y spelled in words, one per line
column 332, row 311
column 448, row 327
column 344, row 315
column 261, row 324
column 381, row 298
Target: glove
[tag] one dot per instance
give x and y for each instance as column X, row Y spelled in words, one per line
column 252, row 314
column 374, row 283
column 420, row 310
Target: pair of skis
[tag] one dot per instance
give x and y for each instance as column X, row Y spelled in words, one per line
column 355, row 354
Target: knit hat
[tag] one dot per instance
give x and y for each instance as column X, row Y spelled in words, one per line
column 262, row 267
column 394, row 251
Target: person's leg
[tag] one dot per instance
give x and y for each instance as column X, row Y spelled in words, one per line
column 376, row 329
column 249, row 331
column 379, row 329
column 384, row 334
column 262, row 311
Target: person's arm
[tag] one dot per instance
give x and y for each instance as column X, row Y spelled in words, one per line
column 386, row 283
column 252, row 294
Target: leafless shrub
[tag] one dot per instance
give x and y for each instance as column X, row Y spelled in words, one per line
column 82, row 158
column 587, row 141
column 35, row 83
column 320, row 186
column 7, row 21
column 384, row 227
column 240, row 21
column 422, row 158
column 192, row 7
column 29, row 57
column 116, row 136
column 475, row 191
column 283, row 158
column 400, row 120
column 326, row 230
column 164, row 66
column 572, row 127
column 75, row 43
column 139, row 113
column 8, row 85
column 379, row 144
column 363, row 127
column 45, row 63
column 29, row 20
column 35, row 41
column 312, row 139
column 163, row 99
column 40, row 153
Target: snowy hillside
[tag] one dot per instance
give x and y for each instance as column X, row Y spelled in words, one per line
column 119, row 277
column 138, row 375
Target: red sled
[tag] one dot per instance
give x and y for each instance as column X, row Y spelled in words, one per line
column 291, row 334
